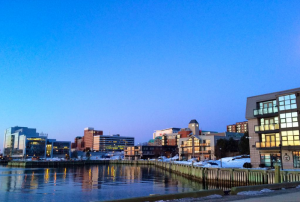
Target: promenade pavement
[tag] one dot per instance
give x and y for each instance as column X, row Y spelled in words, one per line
column 285, row 195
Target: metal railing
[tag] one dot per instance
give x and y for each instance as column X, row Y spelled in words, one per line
column 268, row 127
column 270, row 110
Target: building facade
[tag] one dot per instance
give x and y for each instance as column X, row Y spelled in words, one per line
column 165, row 131
column 239, row 127
column 274, row 128
column 88, row 137
column 58, row 149
column 109, row 143
column 23, row 142
column 203, row 147
column 149, row 152
column 78, row 144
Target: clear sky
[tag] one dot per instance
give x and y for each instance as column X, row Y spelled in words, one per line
column 132, row 67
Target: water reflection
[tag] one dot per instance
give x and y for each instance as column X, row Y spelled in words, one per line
column 88, row 183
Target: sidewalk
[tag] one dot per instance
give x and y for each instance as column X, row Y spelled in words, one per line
column 288, row 197
column 285, row 195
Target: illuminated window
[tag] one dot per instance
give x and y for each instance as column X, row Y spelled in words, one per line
column 287, row 102
column 290, row 138
column 289, row 120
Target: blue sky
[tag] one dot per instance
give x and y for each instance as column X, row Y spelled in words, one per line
column 132, row 67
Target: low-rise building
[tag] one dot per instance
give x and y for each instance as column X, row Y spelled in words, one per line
column 201, row 144
column 109, row 143
column 149, row 152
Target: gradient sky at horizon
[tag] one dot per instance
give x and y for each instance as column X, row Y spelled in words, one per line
column 132, row 67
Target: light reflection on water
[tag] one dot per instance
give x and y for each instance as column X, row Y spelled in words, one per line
column 89, row 183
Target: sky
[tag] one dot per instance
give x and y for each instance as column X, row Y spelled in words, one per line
column 132, row 67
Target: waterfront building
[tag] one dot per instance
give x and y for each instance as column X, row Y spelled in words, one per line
column 109, row 143
column 194, row 143
column 23, row 142
column 88, row 137
column 203, row 146
column 58, row 149
column 239, row 127
column 274, row 128
column 149, row 152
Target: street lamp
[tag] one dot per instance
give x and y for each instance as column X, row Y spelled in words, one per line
column 221, row 156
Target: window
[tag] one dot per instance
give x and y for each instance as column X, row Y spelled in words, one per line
column 289, row 120
column 287, row 102
column 270, row 140
column 267, row 104
column 269, row 159
column 296, row 159
column 290, row 138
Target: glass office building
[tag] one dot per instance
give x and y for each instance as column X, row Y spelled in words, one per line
column 23, row 142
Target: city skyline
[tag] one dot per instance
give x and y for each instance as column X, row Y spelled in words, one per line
column 130, row 68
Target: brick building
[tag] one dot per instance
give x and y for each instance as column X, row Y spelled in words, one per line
column 239, row 127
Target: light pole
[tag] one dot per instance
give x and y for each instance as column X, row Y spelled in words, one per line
column 221, row 156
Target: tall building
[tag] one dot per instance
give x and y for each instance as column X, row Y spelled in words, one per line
column 239, row 127
column 274, row 128
column 88, row 137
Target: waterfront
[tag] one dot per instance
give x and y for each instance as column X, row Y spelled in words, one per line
column 89, row 183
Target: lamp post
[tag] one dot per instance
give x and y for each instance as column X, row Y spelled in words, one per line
column 221, row 156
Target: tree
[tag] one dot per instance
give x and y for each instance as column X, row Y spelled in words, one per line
column 221, row 148
column 232, row 145
column 244, row 144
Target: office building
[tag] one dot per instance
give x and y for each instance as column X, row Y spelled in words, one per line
column 88, row 137
column 58, row 149
column 108, row 143
column 23, row 142
column 274, row 128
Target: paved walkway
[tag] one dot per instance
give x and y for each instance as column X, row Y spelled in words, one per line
column 286, row 195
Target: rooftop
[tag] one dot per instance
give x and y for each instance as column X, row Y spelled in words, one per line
column 193, row 121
